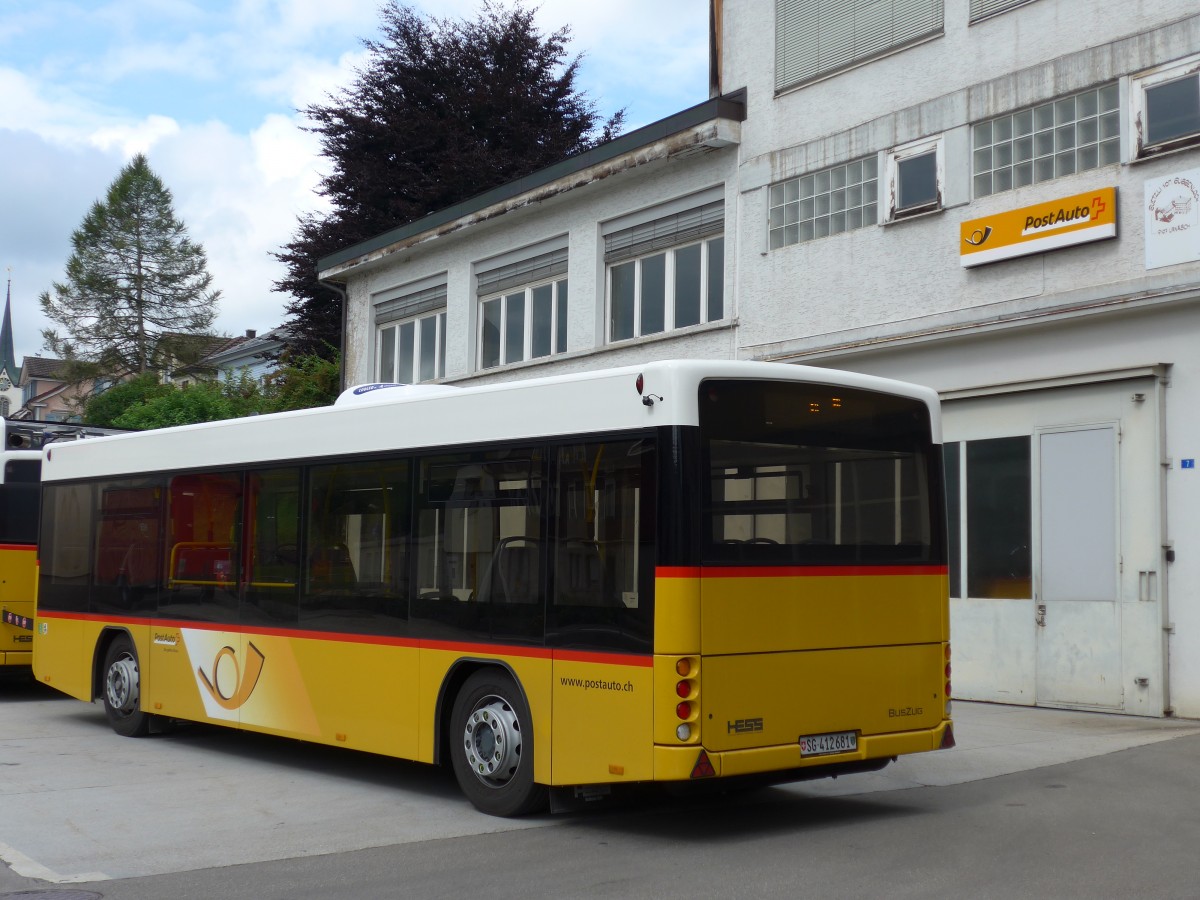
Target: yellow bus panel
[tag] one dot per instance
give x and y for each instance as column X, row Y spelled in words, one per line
column 18, row 586
column 799, row 609
column 602, row 719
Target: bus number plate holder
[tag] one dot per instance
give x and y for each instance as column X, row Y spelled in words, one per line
column 825, row 744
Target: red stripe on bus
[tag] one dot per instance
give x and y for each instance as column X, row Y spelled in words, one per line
column 677, row 572
column 791, row 571
column 26, row 547
column 610, row 659
column 461, row 647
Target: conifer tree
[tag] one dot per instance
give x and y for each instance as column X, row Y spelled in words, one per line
column 133, row 276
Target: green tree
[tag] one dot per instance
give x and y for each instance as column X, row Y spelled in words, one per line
column 105, row 408
column 134, row 275
column 303, row 382
column 443, row 110
column 204, row 401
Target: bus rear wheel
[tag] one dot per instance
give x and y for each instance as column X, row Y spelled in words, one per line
column 123, row 689
column 491, row 743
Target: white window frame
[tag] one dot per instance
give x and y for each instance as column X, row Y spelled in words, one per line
column 1139, row 108
column 558, row 302
column 669, row 266
column 904, row 153
column 413, row 376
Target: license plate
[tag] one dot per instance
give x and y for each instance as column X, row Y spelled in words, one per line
column 835, row 742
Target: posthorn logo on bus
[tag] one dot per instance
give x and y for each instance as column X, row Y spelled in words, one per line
column 231, row 693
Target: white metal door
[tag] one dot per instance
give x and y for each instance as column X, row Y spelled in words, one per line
column 1079, row 634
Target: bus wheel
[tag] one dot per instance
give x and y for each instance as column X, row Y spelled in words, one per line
column 492, row 746
column 123, row 689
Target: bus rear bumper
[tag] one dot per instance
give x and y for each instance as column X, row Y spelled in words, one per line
column 874, row 751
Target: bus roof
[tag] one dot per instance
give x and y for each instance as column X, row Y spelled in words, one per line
column 582, row 403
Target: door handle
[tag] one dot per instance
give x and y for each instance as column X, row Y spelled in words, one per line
column 1041, row 615
column 1147, row 585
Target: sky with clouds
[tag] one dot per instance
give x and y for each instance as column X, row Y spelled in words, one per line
column 210, row 91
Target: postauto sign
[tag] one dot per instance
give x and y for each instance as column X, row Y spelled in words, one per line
column 1065, row 222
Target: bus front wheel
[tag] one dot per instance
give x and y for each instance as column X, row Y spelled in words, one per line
column 491, row 738
column 123, row 689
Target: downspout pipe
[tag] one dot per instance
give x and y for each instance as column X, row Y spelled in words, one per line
column 341, row 292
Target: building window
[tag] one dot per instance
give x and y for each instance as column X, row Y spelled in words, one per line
column 815, row 37
column 1166, row 109
column 915, row 176
column 1072, row 134
column 525, row 324
column 667, row 273
column 984, row 9
column 523, row 310
column 990, row 515
column 411, row 336
column 823, row 203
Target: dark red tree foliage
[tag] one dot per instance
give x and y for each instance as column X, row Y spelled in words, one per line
column 443, row 110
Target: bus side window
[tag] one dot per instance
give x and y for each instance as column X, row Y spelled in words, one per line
column 480, row 563
column 128, row 545
column 604, row 529
column 272, row 535
column 356, row 558
column 204, row 515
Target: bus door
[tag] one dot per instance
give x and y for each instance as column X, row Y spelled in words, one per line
column 198, row 665
column 601, row 611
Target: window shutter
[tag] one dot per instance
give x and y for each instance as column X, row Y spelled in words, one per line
column 408, row 305
column 669, row 231
column 813, row 37
column 525, row 271
column 981, row 9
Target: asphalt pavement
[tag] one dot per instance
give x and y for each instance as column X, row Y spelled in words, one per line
column 84, row 807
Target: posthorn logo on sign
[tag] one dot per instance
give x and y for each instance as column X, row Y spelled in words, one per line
column 1064, row 222
column 1173, row 219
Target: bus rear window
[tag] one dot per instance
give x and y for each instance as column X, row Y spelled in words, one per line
column 806, row 474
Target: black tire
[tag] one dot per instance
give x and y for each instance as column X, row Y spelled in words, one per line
column 491, row 746
column 122, row 689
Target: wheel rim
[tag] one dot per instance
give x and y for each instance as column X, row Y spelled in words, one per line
column 492, row 741
column 122, row 684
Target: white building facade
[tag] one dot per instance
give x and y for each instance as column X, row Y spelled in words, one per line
column 998, row 198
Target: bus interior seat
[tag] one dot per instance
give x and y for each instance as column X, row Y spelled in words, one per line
column 512, row 575
column 581, row 575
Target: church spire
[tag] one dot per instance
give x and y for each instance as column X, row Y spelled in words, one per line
column 8, row 364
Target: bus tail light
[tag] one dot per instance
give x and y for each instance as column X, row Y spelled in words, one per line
column 687, row 689
column 703, row 767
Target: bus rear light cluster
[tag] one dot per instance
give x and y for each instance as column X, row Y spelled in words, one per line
column 687, row 688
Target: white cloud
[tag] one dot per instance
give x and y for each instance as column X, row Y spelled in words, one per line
column 134, row 137
column 128, row 76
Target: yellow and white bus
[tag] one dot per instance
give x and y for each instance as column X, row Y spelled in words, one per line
column 682, row 572
column 20, row 473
